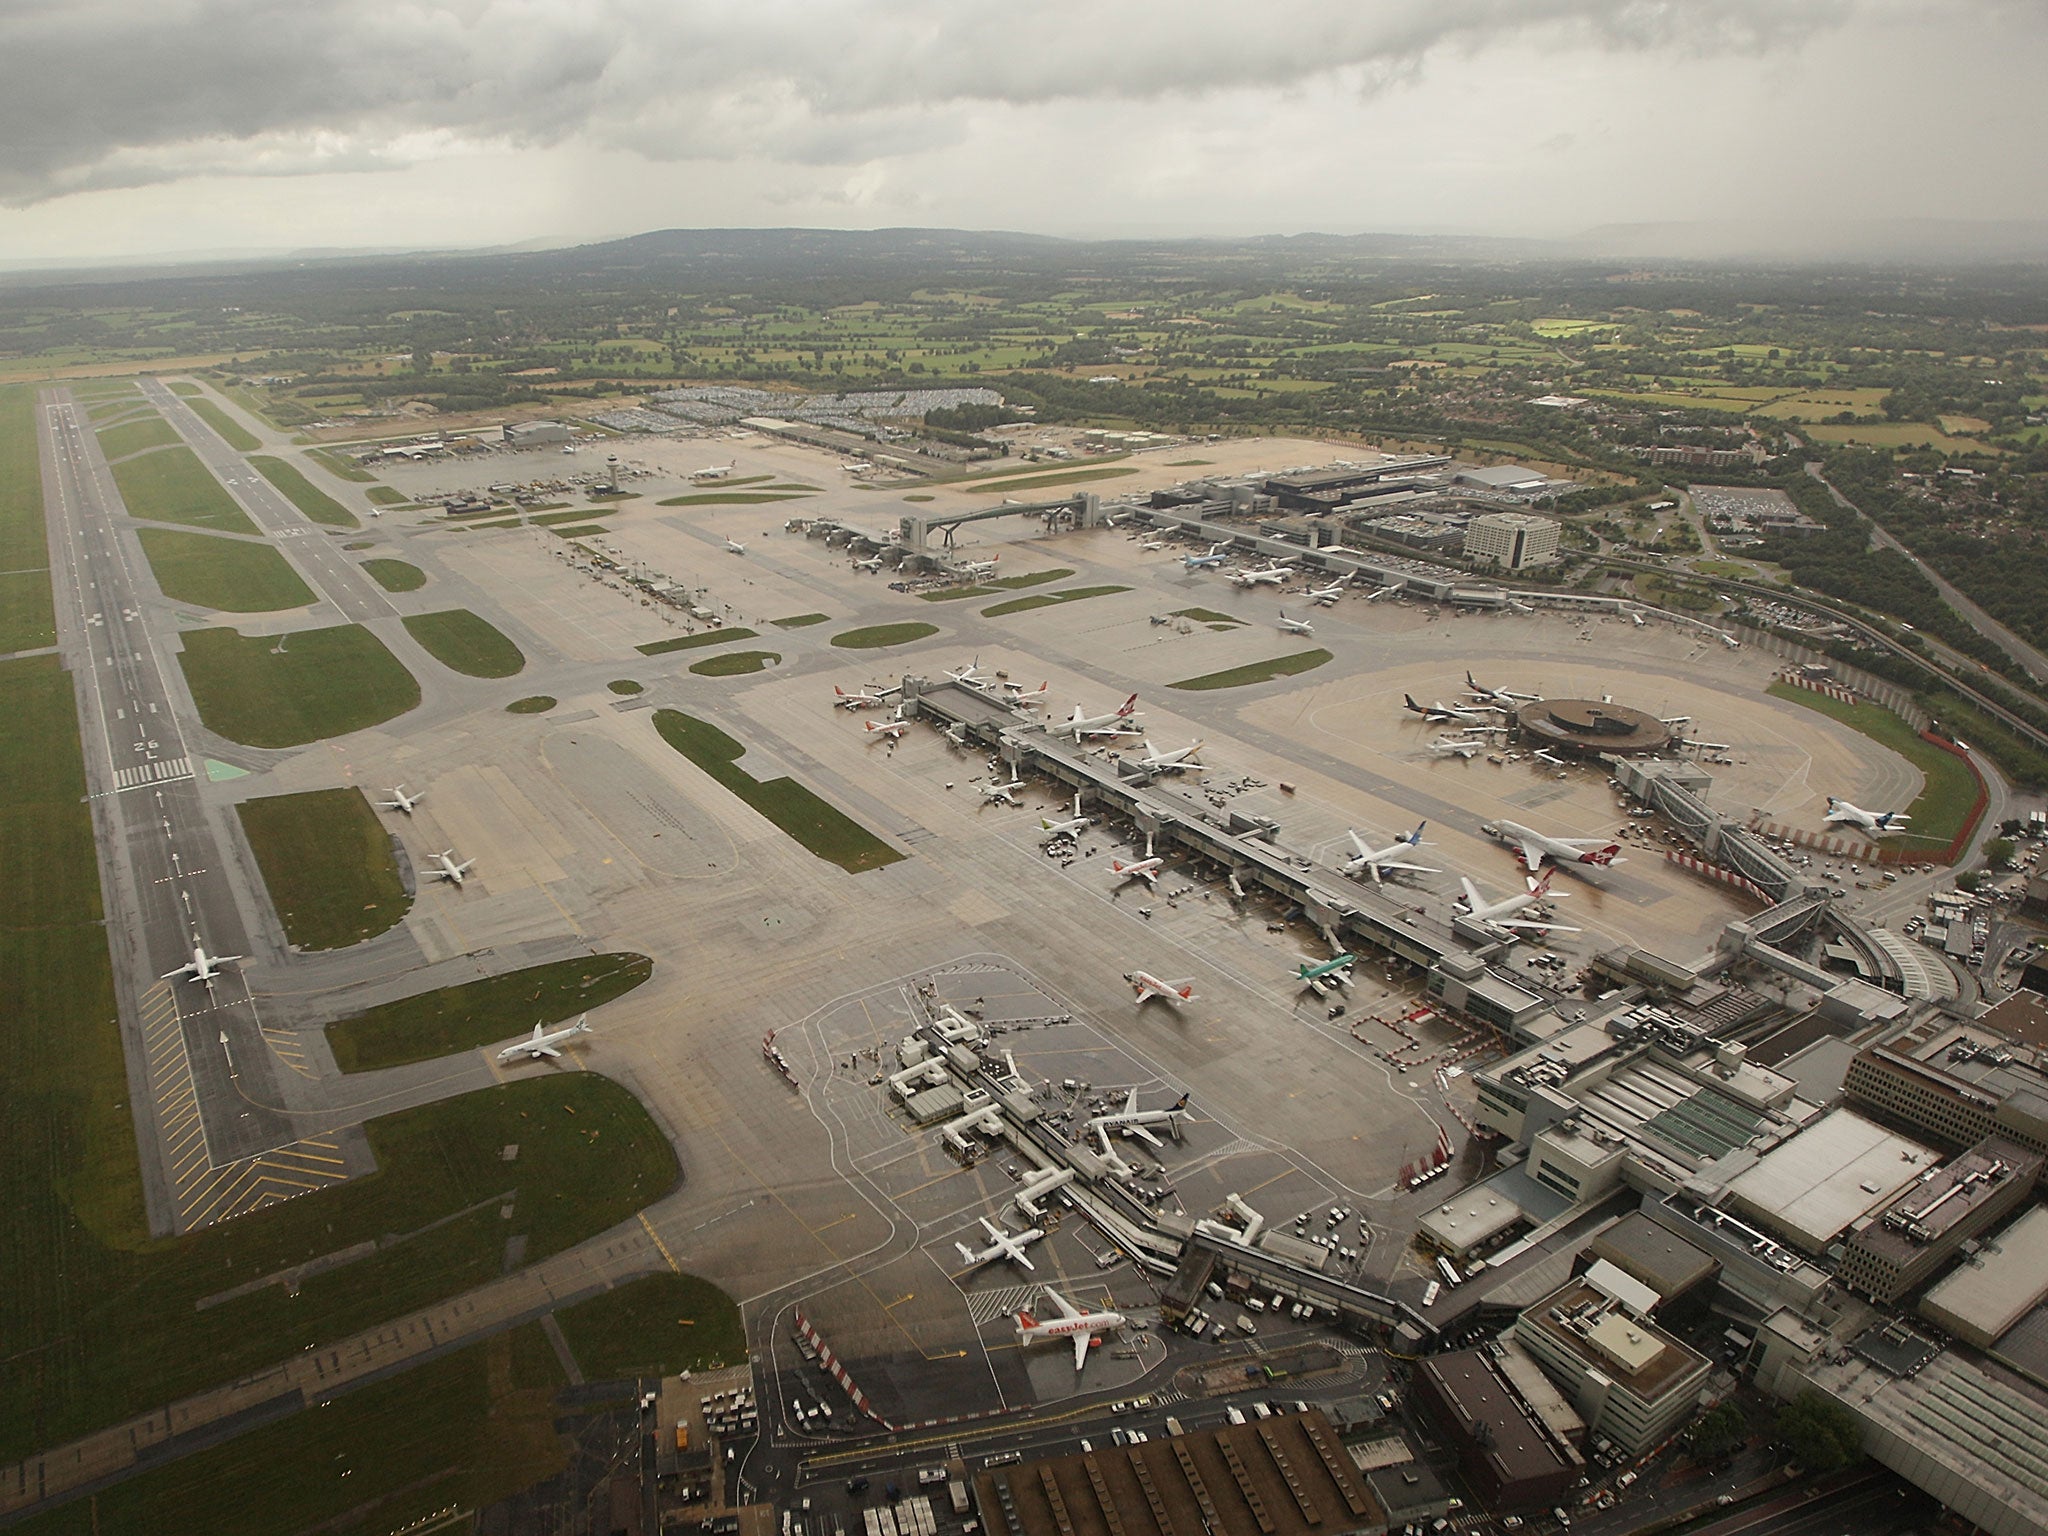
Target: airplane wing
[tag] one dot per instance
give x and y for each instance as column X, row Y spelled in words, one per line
column 1065, row 1307
column 1143, row 1133
column 1016, row 1251
column 1516, row 922
column 1533, row 853
column 1413, row 869
column 1081, row 1343
column 548, row 1051
column 1471, row 893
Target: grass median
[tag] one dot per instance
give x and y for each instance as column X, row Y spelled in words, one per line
column 533, row 704
column 1945, row 799
column 172, row 486
column 820, row 826
column 465, row 642
column 691, row 642
column 994, row 585
column 150, row 431
column 328, row 865
column 736, row 663
column 288, row 690
column 395, row 575
column 237, row 436
column 659, row 1325
column 801, row 620
column 303, row 493
column 879, row 636
column 1042, row 482
column 1048, row 600
column 1254, row 672
column 476, row 1013
column 28, row 617
column 232, row 575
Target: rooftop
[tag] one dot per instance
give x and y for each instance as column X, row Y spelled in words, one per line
column 1946, row 1199
column 1662, row 1260
column 1997, row 1285
column 1636, row 1355
column 1491, row 1409
column 1842, row 1166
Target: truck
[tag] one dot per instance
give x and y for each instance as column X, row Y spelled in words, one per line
column 872, row 1519
column 956, row 1490
column 1245, row 1325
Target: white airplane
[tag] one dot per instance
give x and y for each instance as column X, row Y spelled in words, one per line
column 444, row 867
column 872, row 563
column 1179, row 760
column 856, row 466
column 1001, row 1245
column 976, row 569
column 862, row 699
column 1135, row 1122
column 543, row 1042
column 1118, row 723
column 1146, row 985
column 1151, row 544
column 204, row 967
column 889, row 728
column 1146, row 869
column 1295, row 626
column 1000, row 794
column 1027, row 698
column 969, row 676
column 1487, row 695
column 1545, row 755
column 1215, row 556
column 1376, row 861
column 1501, row 914
column 1876, row 823
column 1455, row 746
column 1640, row 621
column 1533, row 847
column 1440, row 713
column 1327, row 596
column 1072, row 1323
column 401, row 801
column 1269, row 575
column 715, row 471
column 1071, row 828
column 735, row 547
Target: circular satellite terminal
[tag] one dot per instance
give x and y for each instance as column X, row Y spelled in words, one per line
column 1590, row 727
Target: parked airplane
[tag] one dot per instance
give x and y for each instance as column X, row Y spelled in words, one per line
column 1545, row 755
column 1375, row 861
column 1440, row 713
column 872, row 563
column 1118, row 723
column 1876, row 823
column 544, row 1043
column 1179, row 760
column 1501, row 914
column 1327, row 596
column 1071, row 828
column 1533, row 847
column 889, row 728
column 1488, row 695
column 715, row 471
column 1145, row 869
column 1146, row 985
column 974, row 570
column 1152, row 544
column 1731, row 642
column 1027, row 698
column 444, row 867
column 1269, row 575
column 1295, row 626
column 1640, row 621
column 1135, row 1122
column 1455, row 746
column 1321, row 975
column 1072, row 1323
column 863, row 699
column 735, row 547
column 856, row 466
column 1001, row 794
column 204, row 967
column 1215, row 556
column 969, row 675
column 1002, row 1244
column 401, row 801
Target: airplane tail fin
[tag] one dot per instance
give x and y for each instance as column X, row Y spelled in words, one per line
column 1025, row 1319
column 1471, row 681
column 1605, row 855
column 583, row 1025
column 1409, row 700
column 1414, row 839
column 966, row 1253
column 1541, row 887
column 1128, row 705
column 1184, row 989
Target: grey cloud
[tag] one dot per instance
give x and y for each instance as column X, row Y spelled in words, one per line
column 107, row 92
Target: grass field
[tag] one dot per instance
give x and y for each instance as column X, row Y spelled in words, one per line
column 386, row 496
column 729, row 498
column 658, row 1325
column 172, row 486
column 557, row 519
column 476, row 1013
column 342, row 465
column 1000, row 584
column 395, row 575
column 357, row 1463
column 626, row 686
column 800, row 621
column 1254, row 672
column 736, row 663
column 876, row 636
column 232, row 575
column 465, row 642
column 1042, row 482
column 1944, row 801
column 328, row 865
column 27, row 617
column 691, row 642
column 238, row 437
column 134, row 436
column 1207, row 616
column 304, row 494
column 580, row 531
column 184, row 387
column 824, row 829
column 533, row 704
column 1048, row 600
column 1897, row 434
column 285, row 692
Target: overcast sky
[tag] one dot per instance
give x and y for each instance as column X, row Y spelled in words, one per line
column 162, row 126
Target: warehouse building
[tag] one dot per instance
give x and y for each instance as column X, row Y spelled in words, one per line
column 1812, row 1188
column 1511, row 540
column 1996, row 1286
column 535, row 434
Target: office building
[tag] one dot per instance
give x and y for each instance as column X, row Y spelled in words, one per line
column 1511, row 540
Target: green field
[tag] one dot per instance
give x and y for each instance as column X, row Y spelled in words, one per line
column 134, row 436
column 328, row 865
column 184, row 387
column 304, row 494
column 172, row 486
column 386, row 496
column 292, row 689
column 626, row 686
column 232, row 575
column 465, row 642
column 1944, row 801
column 476, row 1013
column 876, row 636
column 557, row 519
column 1048, row 600
column 358, row 1463
column 659, row 1325
column 736, row 663
column 342, row 465
column 728, row 498
column 801, row 621
column 395, row 575
column 1207, row 616
column 238, row 437
column 1254, row 672
column 533, row 704
column 691, row 642
column 821, row 827
column 27, row 618
column 580, row 531
column 1041, row 482
column 1000, row 584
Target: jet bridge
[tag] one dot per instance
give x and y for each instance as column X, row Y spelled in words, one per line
column 914, row 529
